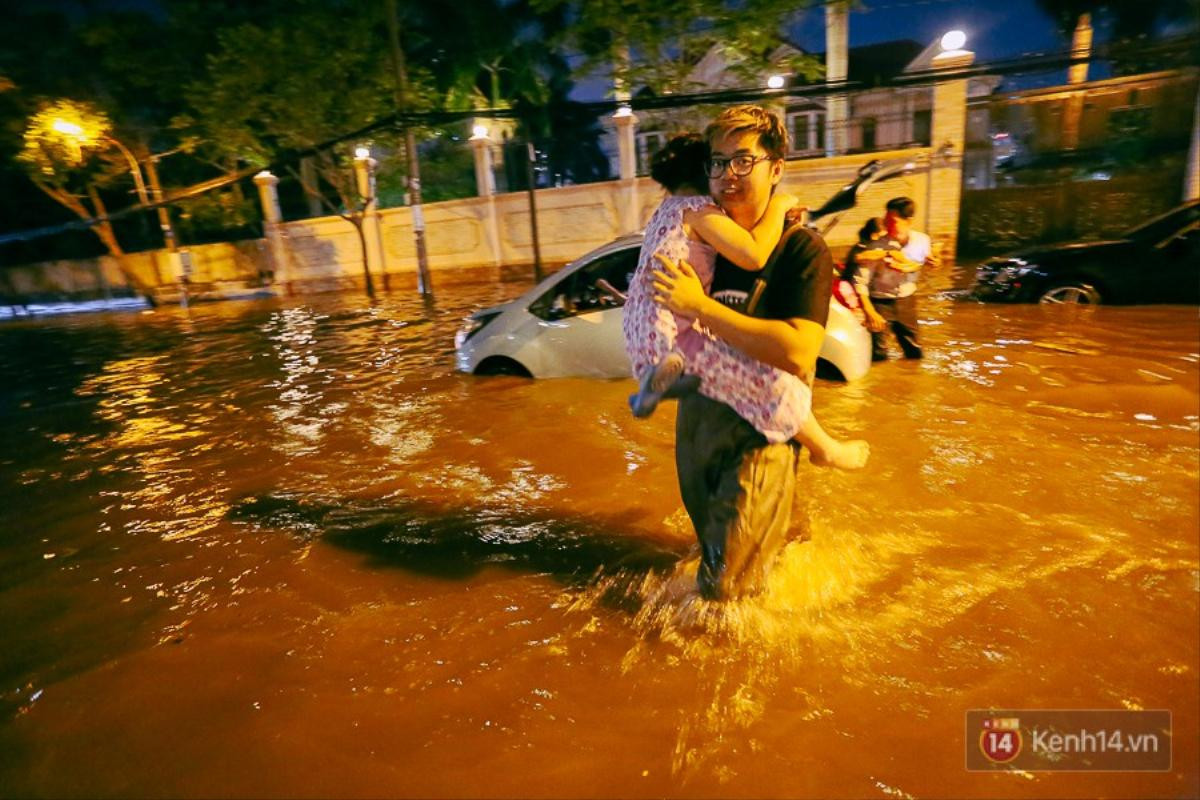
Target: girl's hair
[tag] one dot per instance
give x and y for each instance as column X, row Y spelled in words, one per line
column 873, row 226
column 682, row 162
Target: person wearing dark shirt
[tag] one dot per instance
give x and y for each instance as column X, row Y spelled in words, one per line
column 737, row 487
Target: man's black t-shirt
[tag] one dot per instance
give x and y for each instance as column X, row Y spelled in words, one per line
column 800, row 285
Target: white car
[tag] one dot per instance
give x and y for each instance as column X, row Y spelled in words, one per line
column 570, row 325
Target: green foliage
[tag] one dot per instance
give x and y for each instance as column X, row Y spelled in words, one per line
column 216, row 211
column 447, row 173
column 656, row 45
column 1129, row 18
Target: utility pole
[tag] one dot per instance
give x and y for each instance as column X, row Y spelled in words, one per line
column 410, row 150
column 531, row 174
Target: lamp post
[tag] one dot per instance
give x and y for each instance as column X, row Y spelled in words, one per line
column 76, row 132
column 180, row 264
column 948, row 142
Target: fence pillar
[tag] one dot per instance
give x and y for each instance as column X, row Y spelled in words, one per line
column 626, row 124
column 1072, row 111
column 837, row 106
column 485, row 185
column 947, row 141
column 1081, row 47
column 268, row 196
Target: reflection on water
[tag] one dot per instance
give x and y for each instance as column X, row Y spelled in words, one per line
column 274, row 548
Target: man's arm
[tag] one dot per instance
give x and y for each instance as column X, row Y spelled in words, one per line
column 791, row 345
column 875, row 322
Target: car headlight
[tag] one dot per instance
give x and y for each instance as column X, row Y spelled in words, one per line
column 1002, row 271
column 471, row 326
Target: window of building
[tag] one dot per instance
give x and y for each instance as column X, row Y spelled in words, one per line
column 648, row 143
column 868, row 133
column 807, row 129
column 923, row 127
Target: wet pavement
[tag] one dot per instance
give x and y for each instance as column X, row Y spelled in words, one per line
column 279, row 548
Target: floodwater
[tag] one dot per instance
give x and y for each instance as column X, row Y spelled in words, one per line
column 280, row 548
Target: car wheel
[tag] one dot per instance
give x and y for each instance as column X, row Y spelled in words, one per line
column 502, row 366
column 1073, row 293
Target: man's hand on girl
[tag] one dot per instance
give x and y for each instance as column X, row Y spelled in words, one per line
column 678, row 288
column 896, row 260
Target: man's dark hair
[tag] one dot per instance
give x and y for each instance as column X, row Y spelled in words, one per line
column 902, row 207
column 772, row 135
column 682, row 162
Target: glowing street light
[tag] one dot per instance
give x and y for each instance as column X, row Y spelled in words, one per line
column 776, row 82
column 479, row 132
column 75, row 131
column 81, row 139
column 68, row 128
column 362, row 151
column 953, row 40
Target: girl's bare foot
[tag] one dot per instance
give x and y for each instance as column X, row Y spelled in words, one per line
column 851, row 454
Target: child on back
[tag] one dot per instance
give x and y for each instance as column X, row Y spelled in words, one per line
column 690, row 226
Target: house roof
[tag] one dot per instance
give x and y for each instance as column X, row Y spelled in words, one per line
column 870, row 65
column 873, row 64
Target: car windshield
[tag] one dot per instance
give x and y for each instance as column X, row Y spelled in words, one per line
column 599, row 285
column 1166, row 224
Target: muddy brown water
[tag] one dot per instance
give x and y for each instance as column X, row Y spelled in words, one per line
column 283, row 549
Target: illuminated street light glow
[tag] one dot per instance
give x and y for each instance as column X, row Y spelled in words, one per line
column 362, row 152
column 953, row 40
column 479, row 132
column 69, row 128
column 775, row 82
column 623, row 111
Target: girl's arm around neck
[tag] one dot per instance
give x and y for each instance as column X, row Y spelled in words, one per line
column 749, row 249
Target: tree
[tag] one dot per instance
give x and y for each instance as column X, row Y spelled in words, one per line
column 116, row 62
column 68, row 155
column 291, row 84
column 656, row 45
column 1129, row 20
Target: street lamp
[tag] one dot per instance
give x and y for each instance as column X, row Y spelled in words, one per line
column 953, row 40
column 180, row 261
column 75, row 131
column 775, row 82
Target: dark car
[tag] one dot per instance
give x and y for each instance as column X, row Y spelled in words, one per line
column 1156, row 262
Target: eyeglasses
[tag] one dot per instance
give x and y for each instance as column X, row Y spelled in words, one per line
column 739, row 165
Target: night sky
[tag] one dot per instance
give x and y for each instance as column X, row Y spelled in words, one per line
column 996, row 30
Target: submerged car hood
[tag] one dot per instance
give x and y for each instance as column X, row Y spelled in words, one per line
column 492, row 311
column 1065, row 252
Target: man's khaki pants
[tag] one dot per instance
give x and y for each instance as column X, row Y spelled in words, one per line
column 738, row 490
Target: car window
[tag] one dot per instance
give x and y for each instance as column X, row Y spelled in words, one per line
column 599, row 285
column 1166, row 225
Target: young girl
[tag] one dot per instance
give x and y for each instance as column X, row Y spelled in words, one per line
column 688, row 225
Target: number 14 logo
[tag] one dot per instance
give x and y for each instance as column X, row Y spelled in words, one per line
column 1000, row 739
